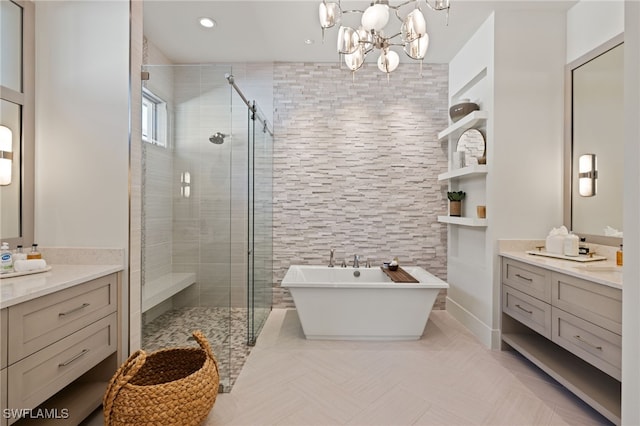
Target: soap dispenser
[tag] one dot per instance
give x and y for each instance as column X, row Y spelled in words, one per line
column 6, row 265
column 34, row 253
column 619, row 256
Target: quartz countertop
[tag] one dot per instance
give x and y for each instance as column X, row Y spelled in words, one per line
column 603, row 272
column 21, row 289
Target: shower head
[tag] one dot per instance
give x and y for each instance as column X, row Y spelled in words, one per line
column 229, row 78
column 217, row 138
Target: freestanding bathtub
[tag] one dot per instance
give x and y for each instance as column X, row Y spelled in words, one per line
column 361, row 303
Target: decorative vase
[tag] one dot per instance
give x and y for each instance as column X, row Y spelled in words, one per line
column 455, row 207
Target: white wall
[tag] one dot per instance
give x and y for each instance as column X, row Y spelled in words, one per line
column 591, row 23
column 523, row 92
column 82, row 116
column 631, row 278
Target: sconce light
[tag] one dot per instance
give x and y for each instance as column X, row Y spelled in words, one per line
column 587, row 175
column 6, row 155
column 185, row 184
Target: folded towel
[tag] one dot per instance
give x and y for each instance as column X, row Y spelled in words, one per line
column 29, row 265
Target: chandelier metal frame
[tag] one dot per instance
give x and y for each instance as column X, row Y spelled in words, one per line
column 354, row 44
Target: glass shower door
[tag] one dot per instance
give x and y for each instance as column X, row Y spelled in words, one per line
column 260, row 213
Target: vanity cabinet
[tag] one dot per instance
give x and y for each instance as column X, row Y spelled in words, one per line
column 60, row 350
column 4, row 327
column 569, row 327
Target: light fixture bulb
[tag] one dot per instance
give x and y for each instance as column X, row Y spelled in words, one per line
column 207, row 22
column 375, row 17
column 417, row 49
column 365, row 39
column 347, row 40
column 587, row 175
column 6, row 155
column 329, row 14
column 414, row 26
column 355, row 60
column 388, row 61
column 441, row 5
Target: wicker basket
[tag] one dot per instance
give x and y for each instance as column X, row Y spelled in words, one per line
column 168, row 387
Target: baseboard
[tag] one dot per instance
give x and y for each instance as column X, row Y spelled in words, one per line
column 487, row 336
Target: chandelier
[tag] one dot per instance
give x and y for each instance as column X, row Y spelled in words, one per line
column 354, row 44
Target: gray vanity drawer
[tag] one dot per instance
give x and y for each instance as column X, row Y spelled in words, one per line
column 530, row 311
column 40, row 322
column 594, row 344
column 596, row 303
column 3, row 396
column 529, row 279
column 4, row 332
column 36, row 378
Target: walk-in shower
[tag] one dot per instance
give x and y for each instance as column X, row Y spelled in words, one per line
column 207, row 213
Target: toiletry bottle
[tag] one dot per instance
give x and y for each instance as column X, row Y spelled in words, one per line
column 19, row 254
column 583, row 248
column 571, row 243
column 619, row 256
column 6, row 264
column 34, row 253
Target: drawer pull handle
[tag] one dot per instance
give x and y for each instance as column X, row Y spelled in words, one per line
column 64, row 364
column 580, row 339
column 524, row 278
column 523, row 309
column 84, row 305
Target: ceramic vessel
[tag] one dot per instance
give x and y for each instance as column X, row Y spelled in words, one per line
column 459, row 110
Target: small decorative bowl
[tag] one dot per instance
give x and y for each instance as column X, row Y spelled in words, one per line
column 393, row 267
column 457, row 111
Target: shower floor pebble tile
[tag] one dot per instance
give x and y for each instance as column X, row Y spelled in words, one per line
column 445, row 378
column 225, row 329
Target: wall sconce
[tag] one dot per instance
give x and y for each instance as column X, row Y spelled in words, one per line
column 185, row 185
column 587, row 175
column 6, row 155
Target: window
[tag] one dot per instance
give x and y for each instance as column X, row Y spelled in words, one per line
column 154, row 119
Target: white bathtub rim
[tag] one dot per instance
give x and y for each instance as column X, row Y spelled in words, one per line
column 425, row 278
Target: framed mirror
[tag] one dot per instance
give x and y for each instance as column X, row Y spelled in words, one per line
column 472, row 143
column 17, row 122
column 594, row 144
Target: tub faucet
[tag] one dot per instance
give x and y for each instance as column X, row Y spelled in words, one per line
column 331, row 265
column 356, row 261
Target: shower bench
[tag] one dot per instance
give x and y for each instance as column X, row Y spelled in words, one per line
column 157, row 291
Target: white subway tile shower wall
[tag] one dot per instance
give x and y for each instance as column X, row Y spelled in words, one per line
column 356, row 166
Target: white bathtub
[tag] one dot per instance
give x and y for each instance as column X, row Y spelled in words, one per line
column 333, row 303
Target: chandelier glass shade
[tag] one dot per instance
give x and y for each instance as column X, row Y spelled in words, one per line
column 355, row 43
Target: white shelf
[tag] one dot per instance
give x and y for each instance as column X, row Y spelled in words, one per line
column 465, row 171
column 465, row 123
column 596, row 388
column 465, row 221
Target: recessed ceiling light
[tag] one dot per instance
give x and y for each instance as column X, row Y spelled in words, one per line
column 207, row 22
column 309, row 41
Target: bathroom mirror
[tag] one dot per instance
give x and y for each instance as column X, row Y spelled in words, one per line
column 472, row 143
column 17, row 122
column 595, row 111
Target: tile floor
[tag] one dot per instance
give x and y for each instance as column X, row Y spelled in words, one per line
column 446, row 378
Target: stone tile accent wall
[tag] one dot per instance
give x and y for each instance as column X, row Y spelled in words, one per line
column 356, row 162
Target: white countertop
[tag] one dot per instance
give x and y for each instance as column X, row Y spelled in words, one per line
column 21, row 289
column 603, row 272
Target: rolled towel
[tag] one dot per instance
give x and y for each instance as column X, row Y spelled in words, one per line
column 29, row 265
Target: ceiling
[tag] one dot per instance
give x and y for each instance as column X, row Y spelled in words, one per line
column 274, row 31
